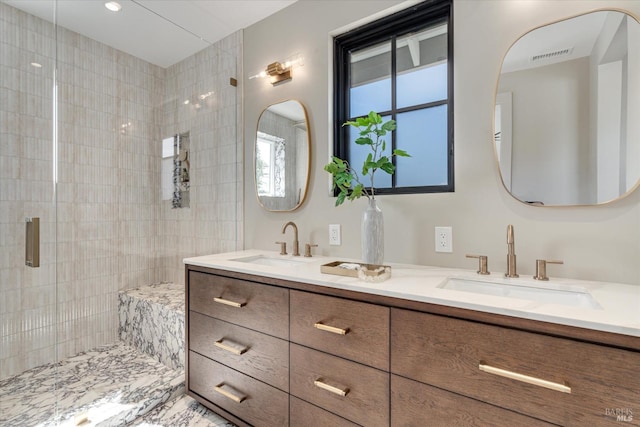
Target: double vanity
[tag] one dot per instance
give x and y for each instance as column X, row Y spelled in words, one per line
column 272, row 341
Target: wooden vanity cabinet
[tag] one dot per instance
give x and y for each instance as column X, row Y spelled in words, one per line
column 262, row 356
column 340, row 356
column 557, row 380
column 252, row 401
column 305, row 414
column 237, row 348
column 356, row 392
column 282, row 353
column 415, row 404
column 241, row 302
column 350, row 329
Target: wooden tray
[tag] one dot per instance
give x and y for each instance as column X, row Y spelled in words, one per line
column 334, row 268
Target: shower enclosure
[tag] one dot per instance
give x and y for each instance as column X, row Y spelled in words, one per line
column 81, row 130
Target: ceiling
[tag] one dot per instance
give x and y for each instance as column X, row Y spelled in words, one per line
column 162, row 32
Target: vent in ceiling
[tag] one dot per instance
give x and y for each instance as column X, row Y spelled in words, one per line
column 551, row 55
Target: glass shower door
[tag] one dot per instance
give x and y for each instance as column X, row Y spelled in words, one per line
column 28, row 311
column 81, row 125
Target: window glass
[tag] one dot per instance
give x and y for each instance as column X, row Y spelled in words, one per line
column 370, row 80
column 422, row 67
column 423, row 133
column 400, row 67
column 421, row 86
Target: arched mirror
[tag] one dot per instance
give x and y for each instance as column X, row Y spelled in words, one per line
column 567, row 128
column 282, row 156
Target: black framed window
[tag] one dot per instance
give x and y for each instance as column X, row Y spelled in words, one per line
column 401, row 67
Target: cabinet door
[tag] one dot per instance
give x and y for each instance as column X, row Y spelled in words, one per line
column 414, row 404
column 248, row 399
column 354, row 330
column 353, row 391
column 554, row 379
column 253, row 305
column 256, row 354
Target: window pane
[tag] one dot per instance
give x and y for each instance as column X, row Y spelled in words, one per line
column 373, row 96
column 370, row 80
column 421, row 61
column 357, row 155
column 423, row 134
column 421, row 86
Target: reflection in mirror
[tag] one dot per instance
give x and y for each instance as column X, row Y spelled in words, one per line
column 282, row 156
column 567, row 107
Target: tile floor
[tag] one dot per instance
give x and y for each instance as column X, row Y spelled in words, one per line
column 182, row 412
column 112, row 385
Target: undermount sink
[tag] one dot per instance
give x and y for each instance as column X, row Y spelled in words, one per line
column 575, row 297
column 272, row 261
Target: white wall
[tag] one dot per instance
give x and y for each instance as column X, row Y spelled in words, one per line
column 601, row 243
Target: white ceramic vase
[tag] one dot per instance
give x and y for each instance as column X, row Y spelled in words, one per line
column 372, row 234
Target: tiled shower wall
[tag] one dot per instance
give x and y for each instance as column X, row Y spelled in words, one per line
column 113, row 232
column 212, row 223
column 107, row 180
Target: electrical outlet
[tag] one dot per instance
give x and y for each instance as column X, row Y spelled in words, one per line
column 334, row 235
column 444, row 240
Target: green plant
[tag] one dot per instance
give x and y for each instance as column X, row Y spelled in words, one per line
column 345, row 178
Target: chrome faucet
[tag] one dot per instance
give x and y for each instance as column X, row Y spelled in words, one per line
column 296, row 250
column 511, row 253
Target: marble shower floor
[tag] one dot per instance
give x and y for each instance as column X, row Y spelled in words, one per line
column 112, row 385
column 182, row 412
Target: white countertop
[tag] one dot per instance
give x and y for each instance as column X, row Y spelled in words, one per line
column 618, row 311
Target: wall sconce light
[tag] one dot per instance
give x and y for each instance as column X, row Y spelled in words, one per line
column 280, row 71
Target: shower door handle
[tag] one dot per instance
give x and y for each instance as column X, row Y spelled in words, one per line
column 32, row 242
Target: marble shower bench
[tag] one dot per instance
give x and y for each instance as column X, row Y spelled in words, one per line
column 152, row 321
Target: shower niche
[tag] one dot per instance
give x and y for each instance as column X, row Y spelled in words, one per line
column 176, row 168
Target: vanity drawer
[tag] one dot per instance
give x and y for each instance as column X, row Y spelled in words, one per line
column 479, row 360
column 414, row 404
column 351, row 329
column 249, row 399
column 261, row 307
column 261, row 356
column 366, row 389
column 304, row 414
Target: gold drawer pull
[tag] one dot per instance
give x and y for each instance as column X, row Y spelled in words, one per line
column 230, row 349
column 229, row 302
column 335, row 390
column 331, row 329
column 524, row 378
column 228, row 394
